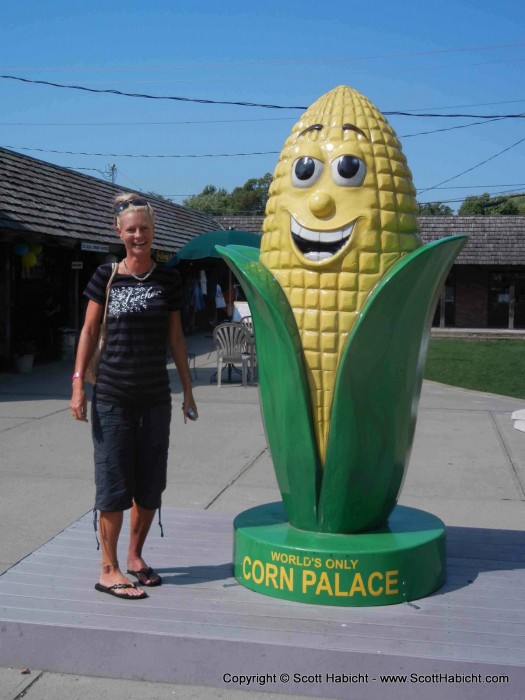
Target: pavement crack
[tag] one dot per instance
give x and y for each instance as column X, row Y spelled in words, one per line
column 236, row 477
column 25, row 420
column 505, row 449
column 24, row 692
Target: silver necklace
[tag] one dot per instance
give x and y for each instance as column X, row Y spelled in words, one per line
column 143, row 277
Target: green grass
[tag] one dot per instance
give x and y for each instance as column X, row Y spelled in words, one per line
column 496, row 366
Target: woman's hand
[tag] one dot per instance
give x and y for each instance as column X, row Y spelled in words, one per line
column 188, row 403
column 78, row 402
column 86, row 346
column 178, row 350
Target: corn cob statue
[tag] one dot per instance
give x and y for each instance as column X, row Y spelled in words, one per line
column 348, row 214
column 342, row 298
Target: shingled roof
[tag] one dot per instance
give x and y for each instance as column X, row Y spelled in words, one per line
column 493, row 240
column 241, row 223
column 41, row 198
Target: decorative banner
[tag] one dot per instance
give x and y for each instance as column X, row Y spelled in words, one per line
column 29, row 260
column 20, row 249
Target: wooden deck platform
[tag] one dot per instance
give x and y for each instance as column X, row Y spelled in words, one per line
column 201, row 624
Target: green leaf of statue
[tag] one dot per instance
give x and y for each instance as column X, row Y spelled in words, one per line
column 284, row 392
column 377, row 391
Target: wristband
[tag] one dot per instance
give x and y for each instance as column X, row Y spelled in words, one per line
column 77, row 375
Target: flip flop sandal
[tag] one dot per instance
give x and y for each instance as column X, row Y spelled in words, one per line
column 112, row 590
column 146, row 574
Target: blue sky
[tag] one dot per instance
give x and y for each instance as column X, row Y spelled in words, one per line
column 452, row 56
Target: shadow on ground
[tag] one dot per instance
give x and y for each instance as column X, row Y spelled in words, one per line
column 188, row 575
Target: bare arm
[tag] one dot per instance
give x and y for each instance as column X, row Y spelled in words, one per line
column 178, row 350
column 86, row 346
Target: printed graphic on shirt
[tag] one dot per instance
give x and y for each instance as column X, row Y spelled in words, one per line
column 130, row 300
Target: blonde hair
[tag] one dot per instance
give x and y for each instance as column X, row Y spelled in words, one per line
column 127, row 196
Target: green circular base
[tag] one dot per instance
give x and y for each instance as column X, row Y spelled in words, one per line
column 402, row 561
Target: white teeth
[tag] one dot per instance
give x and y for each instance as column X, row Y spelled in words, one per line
column 339, row 235
column 317, row 257
column 331, row 236
column 307, row 234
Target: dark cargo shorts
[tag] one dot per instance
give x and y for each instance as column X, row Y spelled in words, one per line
column 131, row 454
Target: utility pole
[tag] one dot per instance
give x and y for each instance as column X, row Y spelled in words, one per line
column 111, row 172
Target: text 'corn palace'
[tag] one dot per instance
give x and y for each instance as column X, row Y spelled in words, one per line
column 342, row 210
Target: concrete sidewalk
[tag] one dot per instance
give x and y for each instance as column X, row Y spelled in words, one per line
column 467, row 467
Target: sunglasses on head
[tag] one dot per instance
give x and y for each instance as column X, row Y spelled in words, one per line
column 138, row 202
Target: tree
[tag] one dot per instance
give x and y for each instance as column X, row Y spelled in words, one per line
column 210, row 200
column 485, row 205
column 519, row 201
column 152, row 193
column 249, row 198
column 434, row 209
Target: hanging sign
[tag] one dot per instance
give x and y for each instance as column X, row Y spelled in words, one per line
column 163, row 257
column 94, row 247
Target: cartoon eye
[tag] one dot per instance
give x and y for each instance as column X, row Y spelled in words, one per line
column 348, row 171
column 306, row 171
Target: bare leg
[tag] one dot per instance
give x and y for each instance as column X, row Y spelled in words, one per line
column 141, row 519
column 110, row 527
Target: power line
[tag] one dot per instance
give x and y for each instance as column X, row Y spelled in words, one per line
column 473, row 167
column 479, row 187
column 76, row 167
column 228, row 155
column 259, row 119
column 401, row 136
column 222, row 121
column 109, row 172
column 462, row 199
column 187, row 121
column 450, row 128
column 219, row 121
column 143, row 155
column 238, row 103
column 264, row 62
column 220, row 77
column 145, row 96
column 475, row 104
column 135, row 184
column 463, row 187
column 454, row 116
column 457, row 187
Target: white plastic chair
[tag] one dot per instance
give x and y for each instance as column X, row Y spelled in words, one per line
column 247, row 322
column 232, row 342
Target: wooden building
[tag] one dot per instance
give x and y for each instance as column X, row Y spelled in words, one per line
column 56, row 227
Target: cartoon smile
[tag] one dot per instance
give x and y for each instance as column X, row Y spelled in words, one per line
column 319, row 245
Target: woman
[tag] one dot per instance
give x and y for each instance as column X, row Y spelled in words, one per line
column 131, row 407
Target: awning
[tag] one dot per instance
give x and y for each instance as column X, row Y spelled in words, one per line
column 203, row 245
